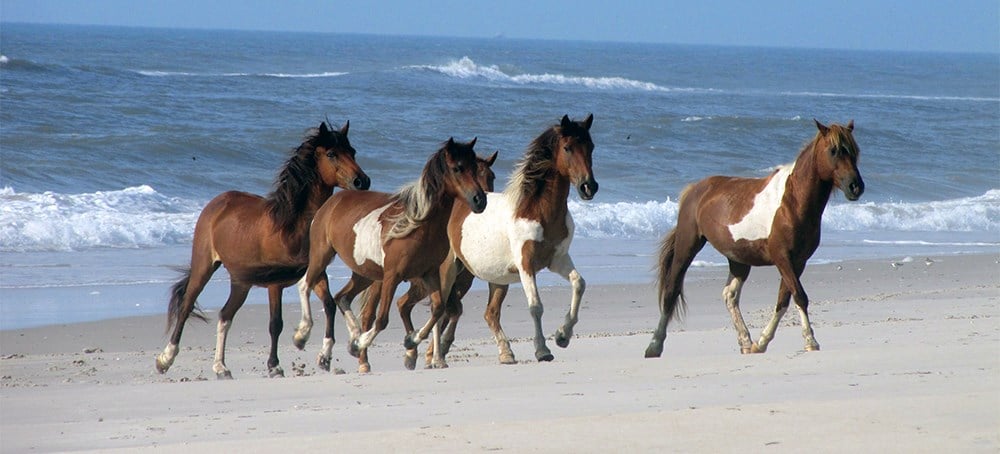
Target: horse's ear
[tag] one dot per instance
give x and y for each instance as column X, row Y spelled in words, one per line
column 322, row 128
column 565, row 121
column 822, row 129
column 473, row 143
column 588, row 121
column 850, row 125
column 450, row 144
column 346, row 127
column 493, row 158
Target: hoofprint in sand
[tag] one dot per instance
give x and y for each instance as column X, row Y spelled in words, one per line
column 910, row 363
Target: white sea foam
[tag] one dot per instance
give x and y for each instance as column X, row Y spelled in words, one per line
column 130, row 218
column 277, row 75
column 889, row 96
column 140, row 217
column 465, row 68
column 4, row 59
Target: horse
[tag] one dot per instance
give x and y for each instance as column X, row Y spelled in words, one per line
column 262, row 241
column 527, row 228
column 771, row 221
column 417, row 291
column 390, row 238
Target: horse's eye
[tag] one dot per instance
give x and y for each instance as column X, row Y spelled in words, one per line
column 567, row 149
column 457, row 169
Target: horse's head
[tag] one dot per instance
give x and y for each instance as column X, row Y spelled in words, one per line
column 573, row 155
column 460, row 174
column 335, row 159
column 484, row 171
column 837, row 158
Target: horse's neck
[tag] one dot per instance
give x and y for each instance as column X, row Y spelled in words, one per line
column 811, row 192
column 547, row 203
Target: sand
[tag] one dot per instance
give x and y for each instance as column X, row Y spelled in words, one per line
column 910, row 362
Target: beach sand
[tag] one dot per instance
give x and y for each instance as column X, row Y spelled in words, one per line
column 910, row 362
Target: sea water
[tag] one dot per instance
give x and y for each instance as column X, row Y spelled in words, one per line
column 113, row 139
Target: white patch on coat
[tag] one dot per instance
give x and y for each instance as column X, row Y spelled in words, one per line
column 368, row 238
column 756, row 225
column 492, row 241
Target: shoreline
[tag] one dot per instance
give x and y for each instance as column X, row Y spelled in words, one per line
column 910, row 361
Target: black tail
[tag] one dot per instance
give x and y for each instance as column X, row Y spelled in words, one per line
column 668, row 295
column 177, row 296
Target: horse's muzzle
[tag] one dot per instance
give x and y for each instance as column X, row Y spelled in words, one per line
column 362, row 182
column 587, row 189
column 478, row 202
column 853, row 189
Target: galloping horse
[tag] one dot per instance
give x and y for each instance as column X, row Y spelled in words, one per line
column 390, row 238
column 759, row 222
column 527, row 228
column 417, row 291
column 261, row 241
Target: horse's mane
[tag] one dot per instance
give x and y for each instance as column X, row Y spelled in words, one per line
column 531, row 172
column 418, row 198
column 838, row 137
column 291, row 191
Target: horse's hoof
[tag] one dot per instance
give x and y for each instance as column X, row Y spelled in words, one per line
column 323, row 362
column 354, row 349
column 544, row 355
column 224, row 375
column 561, row 339
column 654, row 351
column 437, row 365
column 409, row 343
column 812, row 348
column 364, row 368
column 410, row 360
column 755, row 348
column 161, row 366
column 300, row 341
column 507, row 359
column 275, row 372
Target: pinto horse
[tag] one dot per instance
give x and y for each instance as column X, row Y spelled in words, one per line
column 390, row 238
column 417, row 291
column 261, row 241
column 527, row 228
column 759, row 222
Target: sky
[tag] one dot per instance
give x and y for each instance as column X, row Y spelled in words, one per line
column 914, row 25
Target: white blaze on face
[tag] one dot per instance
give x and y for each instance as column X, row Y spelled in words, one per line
column 368, row 238
column 756, row 225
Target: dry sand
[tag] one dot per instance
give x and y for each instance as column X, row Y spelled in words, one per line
column 909, row 363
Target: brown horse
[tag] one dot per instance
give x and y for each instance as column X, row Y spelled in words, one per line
column 527, row 228
column 759, row 222
column 261, row 241
column 417, row 291
column 390, row 238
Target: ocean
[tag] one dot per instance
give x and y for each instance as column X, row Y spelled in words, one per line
column 112, row 139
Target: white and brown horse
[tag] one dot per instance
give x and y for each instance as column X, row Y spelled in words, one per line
column 262, row 241
column 390, row 238
column 528, row 228
column 759, row 222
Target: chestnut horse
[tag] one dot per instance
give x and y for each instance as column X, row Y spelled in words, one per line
column 527, row 228
column 390, row 238
column 759, row 222
column 261, row 241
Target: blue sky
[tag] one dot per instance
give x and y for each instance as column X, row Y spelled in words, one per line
column 915, row 25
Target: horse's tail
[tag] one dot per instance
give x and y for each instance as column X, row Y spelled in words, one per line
column 177, row 292
column 670, row 292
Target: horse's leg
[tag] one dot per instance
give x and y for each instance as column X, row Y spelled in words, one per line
column 738, row 273
column 784, row 296
column 306, row 324
column 497, row 294
column 676, row 254
column 187, row 291
column 274, row 328
column 369, row 305
column 405, row 305
column 237, row 296
column 790, row 273
column 463, row 282
column 356, row 284
column 433, row 283
column 563, row 266
column 535, row 308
